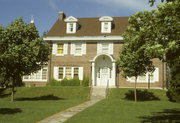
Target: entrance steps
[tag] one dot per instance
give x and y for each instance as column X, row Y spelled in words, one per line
column 98, row 93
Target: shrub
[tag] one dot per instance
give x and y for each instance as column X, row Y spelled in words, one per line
column 70, row 82
column 53, row 82
column 85, row 81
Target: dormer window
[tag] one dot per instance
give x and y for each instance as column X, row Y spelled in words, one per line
column 106, row 24
column 71, row 24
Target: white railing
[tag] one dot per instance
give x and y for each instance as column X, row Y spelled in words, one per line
column 107, row 89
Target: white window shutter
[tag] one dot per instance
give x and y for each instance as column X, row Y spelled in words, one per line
column 99, row 48
column 65, row 48
column 84, row 48
column 109, row 27
column 54, row 49
column 72, row 48
column 80, row 73
column 156, row 74
column 111, row 48
column 56, row 71
column 67, row 28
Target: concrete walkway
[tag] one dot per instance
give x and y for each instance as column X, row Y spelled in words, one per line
column 97, row 95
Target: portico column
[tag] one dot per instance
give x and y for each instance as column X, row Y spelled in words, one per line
column 113, row 74
column 93, row 73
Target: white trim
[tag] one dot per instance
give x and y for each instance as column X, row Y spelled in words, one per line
column 56, row 72
column 35, row 76
column 83, row 38
column 155, row 77
column 71, row 19
column 106, row 18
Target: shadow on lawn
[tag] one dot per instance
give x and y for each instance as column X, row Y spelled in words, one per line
column 3, row 95
column 142, row 95
column 10, row 110
column 46, row 97
column 166, row 116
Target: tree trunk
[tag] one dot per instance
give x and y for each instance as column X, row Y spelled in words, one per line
column 135, row 93
column 12, row 94
column 149, row 80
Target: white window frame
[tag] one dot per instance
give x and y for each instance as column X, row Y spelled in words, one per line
column 105, row 27
column 55, row 49
column 155, row 77
column 34, row 75
column 56, row 72
column 100, row 48
column 74, row 48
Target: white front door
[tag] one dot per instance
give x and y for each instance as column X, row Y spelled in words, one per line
column 104, row 76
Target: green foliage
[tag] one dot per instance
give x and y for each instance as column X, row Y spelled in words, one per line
column 173, row 92
column 53, row 82
column 70, row 82
column 85, row 81
column 22, row 51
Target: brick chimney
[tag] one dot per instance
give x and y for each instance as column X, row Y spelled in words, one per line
column 62, row 15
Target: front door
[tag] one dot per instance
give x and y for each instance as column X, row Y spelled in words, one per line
column 104, row 76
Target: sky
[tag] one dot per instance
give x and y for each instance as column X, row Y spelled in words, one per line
column 45, row 12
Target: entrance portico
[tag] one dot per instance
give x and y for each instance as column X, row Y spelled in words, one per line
column 103, row 70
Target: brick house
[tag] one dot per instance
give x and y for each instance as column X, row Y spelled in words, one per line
column 89, row 46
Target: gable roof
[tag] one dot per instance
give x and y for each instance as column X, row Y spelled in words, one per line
column 89, row 27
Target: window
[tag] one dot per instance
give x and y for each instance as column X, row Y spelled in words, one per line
column 60, row 75
column 40, row 75
column 60, row 49
column 68, row 73
column 105, row 48
column 106, row 27
column 78, row 49
column 44, row 73
column 70, row 27
column 154, row 77
column 76, row 72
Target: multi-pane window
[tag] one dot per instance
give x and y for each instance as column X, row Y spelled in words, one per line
column 71, row 27
column 76, row 72
column 153, row 77
column 68, row 73
column 106, row 27
column 44, row 73
column 40, row 75
column 60, row 75
column 60, row 49
column 105, row 47
column 78, row 48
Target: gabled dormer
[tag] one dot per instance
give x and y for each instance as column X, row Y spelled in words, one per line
column 71, row 24
column 106, row 24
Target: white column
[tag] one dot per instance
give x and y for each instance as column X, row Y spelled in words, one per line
column 93, row 74
column 112, row 83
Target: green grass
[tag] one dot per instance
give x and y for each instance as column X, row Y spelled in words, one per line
column 116, row 109
column 35, row 103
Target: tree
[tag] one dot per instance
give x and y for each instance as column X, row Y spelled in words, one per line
column 159, row 34
column 153, row 1
column 22, row 51
column 133, row 61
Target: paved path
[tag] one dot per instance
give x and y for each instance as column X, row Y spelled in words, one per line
column 66, row 114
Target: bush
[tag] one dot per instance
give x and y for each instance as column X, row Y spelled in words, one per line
column 70, row 82
column 53, row 82
column 85, row 81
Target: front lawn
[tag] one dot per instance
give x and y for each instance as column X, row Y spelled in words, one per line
column 35, row 103
column 116, row 109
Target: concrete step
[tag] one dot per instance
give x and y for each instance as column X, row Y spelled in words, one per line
column 98, row 93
